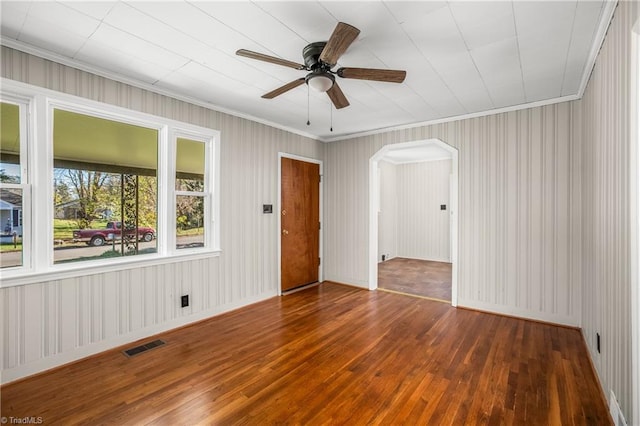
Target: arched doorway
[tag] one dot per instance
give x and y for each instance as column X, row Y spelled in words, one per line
column 416, row 149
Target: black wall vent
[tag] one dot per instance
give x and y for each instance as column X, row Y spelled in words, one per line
column 143, row 348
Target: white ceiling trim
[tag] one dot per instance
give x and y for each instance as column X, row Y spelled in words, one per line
column 605, row 21
column 457, row 118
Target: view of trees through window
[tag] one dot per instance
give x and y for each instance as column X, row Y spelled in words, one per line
column 190, row 193
column 105, row 188
column 89, row 196
column 88, row 213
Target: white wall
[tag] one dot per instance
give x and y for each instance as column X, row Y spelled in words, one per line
column 423, row 229
column 410, row 222
column 519, row 193
column 50, row 323
column 388, row 213
column 543, row 209
column 603, row 130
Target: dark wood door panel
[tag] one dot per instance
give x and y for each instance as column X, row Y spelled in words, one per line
column 300, row 223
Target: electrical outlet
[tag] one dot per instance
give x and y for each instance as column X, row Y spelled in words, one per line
column 384, row 257
column 184, row 301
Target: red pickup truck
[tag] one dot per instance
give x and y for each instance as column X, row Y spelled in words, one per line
column 97, row 237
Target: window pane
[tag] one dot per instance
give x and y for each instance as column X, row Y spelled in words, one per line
column 105, row 180
column 190, row 156
column 11, row 219
column 9, row 143
column 189, row 221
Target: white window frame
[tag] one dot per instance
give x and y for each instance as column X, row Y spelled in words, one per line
column 39, row 143
column 210, row 188
column 107, row 113
column 24, row 112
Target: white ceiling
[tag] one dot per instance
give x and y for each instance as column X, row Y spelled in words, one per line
column 461, row 58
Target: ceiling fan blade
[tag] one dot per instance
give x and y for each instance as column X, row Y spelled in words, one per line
column 271, row 59
column 391, row 76
column 342, row 37
column 337, row 97
column 285, row 88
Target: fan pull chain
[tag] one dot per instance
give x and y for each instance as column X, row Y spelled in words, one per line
column 331, row 115
column 308, row 122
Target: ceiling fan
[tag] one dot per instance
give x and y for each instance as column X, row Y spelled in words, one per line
column 319, row 57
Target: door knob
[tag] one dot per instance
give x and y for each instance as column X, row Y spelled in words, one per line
column 285, row 232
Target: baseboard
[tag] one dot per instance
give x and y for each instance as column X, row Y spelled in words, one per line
column 615, row 411
column 423, row 258
column 519, row 313
column 594, row 370
column 346, row 281
column 58, row 360
column 301, row 288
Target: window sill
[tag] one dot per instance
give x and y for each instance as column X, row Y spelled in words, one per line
column 59, row 272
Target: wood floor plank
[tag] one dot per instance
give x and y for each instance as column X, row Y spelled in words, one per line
column 330, row 354
column 418, row 277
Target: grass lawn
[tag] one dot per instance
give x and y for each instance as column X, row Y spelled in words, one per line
column 9, row 247
column 190, row 231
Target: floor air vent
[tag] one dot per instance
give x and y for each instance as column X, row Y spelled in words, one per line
column 143, row 348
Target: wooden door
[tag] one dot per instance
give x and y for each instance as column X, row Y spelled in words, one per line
column 300, row 223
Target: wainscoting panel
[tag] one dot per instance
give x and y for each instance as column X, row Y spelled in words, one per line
column 49, row 323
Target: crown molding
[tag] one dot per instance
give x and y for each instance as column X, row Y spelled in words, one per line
column 456, row 118
column 606, row 17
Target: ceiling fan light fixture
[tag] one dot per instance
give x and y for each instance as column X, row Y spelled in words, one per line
column 320, row 82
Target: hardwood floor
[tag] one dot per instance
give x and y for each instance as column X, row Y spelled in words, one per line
column 417, row 277
column 330, row 354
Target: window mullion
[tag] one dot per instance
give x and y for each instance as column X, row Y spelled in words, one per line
column 170, row 193
column 27, row 135
column 41, row 172
column 166, row 182
column 214, row 191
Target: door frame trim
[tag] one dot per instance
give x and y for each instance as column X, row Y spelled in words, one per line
column 373, row 210
column 282, row 155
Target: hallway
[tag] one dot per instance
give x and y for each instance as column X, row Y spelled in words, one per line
column 416, row 277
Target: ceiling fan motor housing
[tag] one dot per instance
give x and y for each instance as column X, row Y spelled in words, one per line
column 311, row 54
